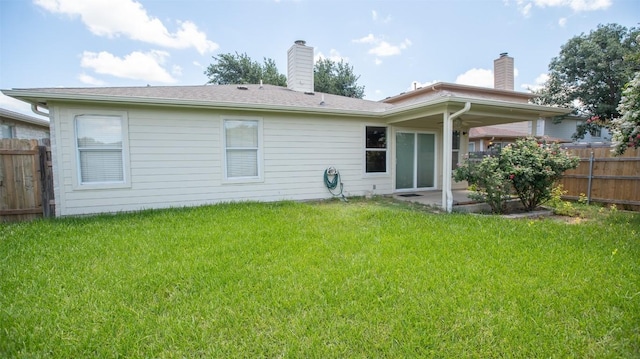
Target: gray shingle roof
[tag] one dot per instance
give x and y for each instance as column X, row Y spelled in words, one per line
column 244, row 95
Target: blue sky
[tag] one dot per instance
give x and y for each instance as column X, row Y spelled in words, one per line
column 390, row 44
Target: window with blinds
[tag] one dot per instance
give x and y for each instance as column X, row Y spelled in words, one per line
column 241, row 148
column 100, row 149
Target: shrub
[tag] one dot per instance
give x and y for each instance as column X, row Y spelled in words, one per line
column 487, row 180
column 533, row 169
column 526, row 167
column 560, row 206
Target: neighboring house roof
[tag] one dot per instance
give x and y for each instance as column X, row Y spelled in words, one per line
column 18, row 117
column 281, row 99
column 444, row 88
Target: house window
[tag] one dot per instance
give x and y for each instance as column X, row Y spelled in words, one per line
column 100, row 149
column 6, row 131
column 242, row 148
column 455, row 149
column 472, row 147
column 376, row 149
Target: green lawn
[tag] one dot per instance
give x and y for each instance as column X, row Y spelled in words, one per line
column 363, row 279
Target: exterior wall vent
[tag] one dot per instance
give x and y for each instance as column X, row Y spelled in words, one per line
column 300, row 67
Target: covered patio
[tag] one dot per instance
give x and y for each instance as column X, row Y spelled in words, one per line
column 451, row 110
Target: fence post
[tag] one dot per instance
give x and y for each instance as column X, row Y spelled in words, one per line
column 590, row 178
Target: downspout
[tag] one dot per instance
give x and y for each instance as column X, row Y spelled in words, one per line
column 34, row 108
column 447, row 195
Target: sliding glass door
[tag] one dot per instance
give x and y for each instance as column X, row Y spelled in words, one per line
column 415, row 160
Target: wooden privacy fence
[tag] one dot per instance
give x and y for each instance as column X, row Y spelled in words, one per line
column 26, row 180
column 604, row 178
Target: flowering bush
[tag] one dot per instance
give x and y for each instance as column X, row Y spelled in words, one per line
column 527, row 168
column 534, row 168
column 488, row 181
column 626, row 128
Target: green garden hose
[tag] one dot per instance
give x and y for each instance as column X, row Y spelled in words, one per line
column 332, row 180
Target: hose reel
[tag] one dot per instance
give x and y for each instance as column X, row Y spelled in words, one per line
column 333, row 182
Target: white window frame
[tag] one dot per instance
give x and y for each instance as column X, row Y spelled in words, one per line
column 124, row 128
column 366, row 149
column 259, row 150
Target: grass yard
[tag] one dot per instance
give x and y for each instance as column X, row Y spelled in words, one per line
column 363, row 279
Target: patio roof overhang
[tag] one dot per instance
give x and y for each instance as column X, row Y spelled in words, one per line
column 466, row 112
column 483, row 112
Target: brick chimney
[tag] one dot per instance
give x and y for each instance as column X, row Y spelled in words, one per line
column 300, row 67
column 503, row 72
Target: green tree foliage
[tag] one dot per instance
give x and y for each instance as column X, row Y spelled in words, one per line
column 525, row 168
column 329, row 76
column 626, row 128
column 237, row 68
column 336, row 78
column 590, row 72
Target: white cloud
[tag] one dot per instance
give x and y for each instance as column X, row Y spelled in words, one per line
column 576, row 5
column 128, row 18
column 90, row 80
column 377, row 61
column 375, row 17
column 526, row 10
column 562, row 22
column 476, row 77
column 382, row 48
column 417, row 84
column 538, row 83
column 176, row 70
column 369, row 39
column 334, row 56
column 136, row 65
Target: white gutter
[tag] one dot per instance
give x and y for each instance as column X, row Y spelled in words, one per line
column 447, row 130
column 34, row 108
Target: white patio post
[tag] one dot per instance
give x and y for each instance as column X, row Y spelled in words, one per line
column 447, row 133
column 447, row 128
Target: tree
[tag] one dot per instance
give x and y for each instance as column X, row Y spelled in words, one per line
column 240, row 69
column 589, row 73
column 329, row 76
column 626, row 128
column 336, row 78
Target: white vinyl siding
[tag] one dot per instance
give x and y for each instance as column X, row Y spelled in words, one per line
column 177, row 159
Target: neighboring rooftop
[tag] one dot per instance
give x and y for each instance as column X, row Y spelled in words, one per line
column 23, row 118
